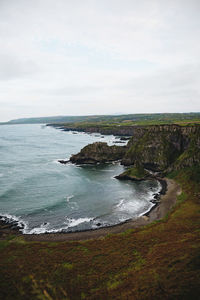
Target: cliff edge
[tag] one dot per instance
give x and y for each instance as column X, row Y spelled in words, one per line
column 159, row 148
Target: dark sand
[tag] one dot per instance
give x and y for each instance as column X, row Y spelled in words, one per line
column 167, row 201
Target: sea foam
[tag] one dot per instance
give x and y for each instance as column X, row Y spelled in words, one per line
column 11, row 219
column 75, row 222
column 69, row 197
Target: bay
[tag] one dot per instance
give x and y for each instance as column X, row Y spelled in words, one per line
column 46, row 196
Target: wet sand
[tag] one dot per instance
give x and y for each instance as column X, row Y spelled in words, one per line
column 167, row 201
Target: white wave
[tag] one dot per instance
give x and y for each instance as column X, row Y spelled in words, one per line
column 11, row 219
column 1, row 175
column 121, row 220
column 38, row 230
column 146, row 211
column 56, row 161
column 120, row 203
column 76, row 166
column 69, row 197
column 116, row 162
column 75, row 222
column 129, row 206
column 153, row 191
column 44, row 228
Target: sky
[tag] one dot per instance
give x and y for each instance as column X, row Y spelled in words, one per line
column 83, row 57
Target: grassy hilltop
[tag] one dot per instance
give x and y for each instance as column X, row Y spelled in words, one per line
column 126, row 119
column 124, row 125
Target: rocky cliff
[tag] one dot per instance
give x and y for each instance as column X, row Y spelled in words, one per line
column 103, row 129
column 156, row 147
column 162, row 147
column 98, row 153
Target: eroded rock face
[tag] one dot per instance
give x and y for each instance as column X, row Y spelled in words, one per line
column 155, row 151
column 159, row 147
column 191, row 156
column 98, row 153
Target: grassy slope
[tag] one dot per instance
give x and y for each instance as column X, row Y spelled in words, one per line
column 159, row 261
column 139, row 122
column 137, row 172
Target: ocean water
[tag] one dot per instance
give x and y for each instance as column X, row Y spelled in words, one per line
column 43, row 195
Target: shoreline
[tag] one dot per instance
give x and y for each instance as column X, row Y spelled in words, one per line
column 168, row 194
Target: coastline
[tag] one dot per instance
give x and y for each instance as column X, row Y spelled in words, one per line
column 170, row 190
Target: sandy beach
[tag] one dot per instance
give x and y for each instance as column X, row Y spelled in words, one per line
column 167, row 201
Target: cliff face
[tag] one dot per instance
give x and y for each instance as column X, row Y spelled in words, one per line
column 98, row 153
column 115, row 130
column 191, row 156
column 162, row 147
column 107, row 130
column 158, row 148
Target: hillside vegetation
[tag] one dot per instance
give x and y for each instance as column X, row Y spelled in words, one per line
column 165, row 147
column 124, row 119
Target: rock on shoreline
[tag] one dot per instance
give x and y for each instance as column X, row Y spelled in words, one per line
column 98, row 153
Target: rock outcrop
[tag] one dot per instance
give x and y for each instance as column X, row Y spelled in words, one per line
column 191, row 155
column 137, row 173
column 157, row 147
column 98, row 153
column 117, row 130
column 160, row 147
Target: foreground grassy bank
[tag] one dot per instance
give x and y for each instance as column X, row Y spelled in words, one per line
column 158, row 261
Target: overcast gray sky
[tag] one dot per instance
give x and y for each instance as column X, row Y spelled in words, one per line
column 80, row 57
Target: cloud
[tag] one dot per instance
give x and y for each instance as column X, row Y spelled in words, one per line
column 12, row 67
column 76, row 57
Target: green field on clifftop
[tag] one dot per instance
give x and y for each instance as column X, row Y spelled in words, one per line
column 124, row 119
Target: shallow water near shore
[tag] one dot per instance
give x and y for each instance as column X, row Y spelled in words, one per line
column 43, row 195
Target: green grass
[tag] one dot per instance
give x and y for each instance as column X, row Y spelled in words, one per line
column 67, row 266
column 107, row 123
column 137, row 172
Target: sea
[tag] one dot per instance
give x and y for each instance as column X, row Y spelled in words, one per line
column 43, row 196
